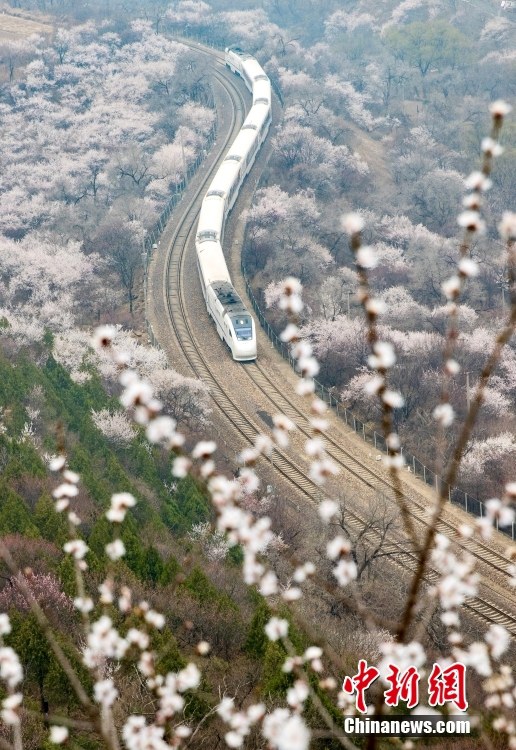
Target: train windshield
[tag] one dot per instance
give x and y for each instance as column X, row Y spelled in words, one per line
column 243, row 327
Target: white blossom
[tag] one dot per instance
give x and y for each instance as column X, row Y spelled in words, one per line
column 103, row 336
column 291, row 286
column 327, row 509
column 77, row 548
column 500, row 108
column 138, row 638
column 115, row 550
column 181, row 467
column 352, row 223
column 468, row 267
column 269, row 584
column 375, row 305
column 5, row 624
column 57, row 463
column 65, row 490
column 451, row 287
column 115, row 426
column 345, row 572
column 498, row 640
column 393, row 399
column 491, row 147
column 507, row 226
column 477, row 181
column 156, row 619
column 444, row 414
column 290, row 334
column 83, row 604
column 11, row 671
column 338, row 546
column 204, row 449
column 471, row 221
column 58, row 734
column 10, row 706
column 188, row 678
column 105, row 692
column 366, row 257
column 161, row 429
column 384, row 357
column 452, row 367
column 276, row 629
column 285, row 731
column 297, row 694
column 292, row 594
column 226, row 708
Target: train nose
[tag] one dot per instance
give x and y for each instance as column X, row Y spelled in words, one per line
column 246, row 350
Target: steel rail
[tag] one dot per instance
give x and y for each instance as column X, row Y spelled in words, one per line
column 175, row 296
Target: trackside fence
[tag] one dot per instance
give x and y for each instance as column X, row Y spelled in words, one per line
column 375, row 439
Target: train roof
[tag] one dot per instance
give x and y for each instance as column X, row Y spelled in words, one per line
column 211, row 217
column 212, row 263
column 253, row 69
column 228, row 298
column 239, row 51
column 255, row 118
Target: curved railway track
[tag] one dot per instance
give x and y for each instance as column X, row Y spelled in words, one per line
column 175, row 298
column 346, row 460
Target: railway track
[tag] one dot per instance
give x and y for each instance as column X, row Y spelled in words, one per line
column 175, row 298
column 346, row 460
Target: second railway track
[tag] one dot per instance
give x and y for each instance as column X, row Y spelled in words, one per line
column 175, row 299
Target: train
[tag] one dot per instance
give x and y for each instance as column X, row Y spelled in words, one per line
column 234, row 324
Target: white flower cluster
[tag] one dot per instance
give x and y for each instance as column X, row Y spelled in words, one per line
column 312, row 656
column 507, row 226
column 58, row 735
column 352, row 223
column 120, row 502
column 444, row 414
column 138, row 735
column 240, row 722
column 11, row 671
column 401, row 655
column 103, row 642
column 290, row 299
column 10, row 709
column 457, row 581
column 169, row 690
column 345, row 570
column 499, row 512
column 285, row 730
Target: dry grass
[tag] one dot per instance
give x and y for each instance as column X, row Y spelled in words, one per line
column 16, row 24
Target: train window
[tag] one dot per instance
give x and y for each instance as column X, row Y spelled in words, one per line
column 233, row 157
column 208, row 234
column 218, row 193
column 249, row 127
column 261, row 100
column 243, row 327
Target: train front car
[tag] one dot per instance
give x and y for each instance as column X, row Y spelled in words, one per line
column 237, row 324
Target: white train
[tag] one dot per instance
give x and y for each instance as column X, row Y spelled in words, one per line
column 234, row 323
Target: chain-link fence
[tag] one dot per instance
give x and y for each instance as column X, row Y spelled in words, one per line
column 413, row 464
